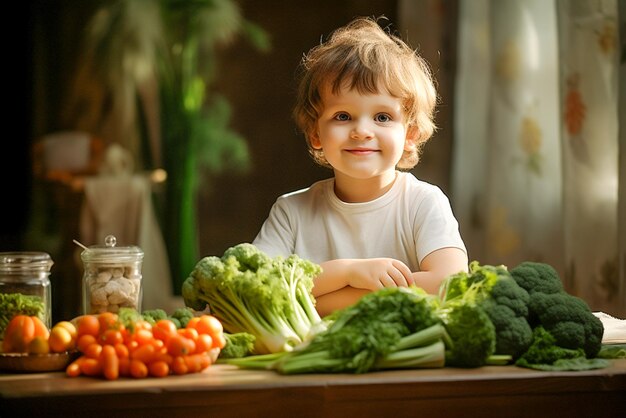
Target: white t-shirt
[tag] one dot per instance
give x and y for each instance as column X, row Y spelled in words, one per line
column 411, row 220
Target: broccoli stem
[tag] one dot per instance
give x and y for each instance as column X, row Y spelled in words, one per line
column 499, row 359
column 257, row 362
column 432, row 355
column 421, row 338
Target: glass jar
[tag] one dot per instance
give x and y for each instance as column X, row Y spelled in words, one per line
column 111, row 278
column 26, row 273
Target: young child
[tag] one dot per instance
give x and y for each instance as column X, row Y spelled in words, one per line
column 365, row 105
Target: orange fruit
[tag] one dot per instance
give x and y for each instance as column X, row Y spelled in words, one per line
column 68, row 326
column 39, row 345
column 60, row 340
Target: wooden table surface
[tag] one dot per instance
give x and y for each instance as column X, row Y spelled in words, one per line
column 225, row 391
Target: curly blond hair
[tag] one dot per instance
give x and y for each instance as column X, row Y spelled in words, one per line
column 365, row 57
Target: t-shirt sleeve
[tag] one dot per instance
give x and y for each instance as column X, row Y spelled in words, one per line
column 435, row 225
column 276, row 236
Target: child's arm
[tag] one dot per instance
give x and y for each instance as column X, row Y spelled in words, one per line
column 343, row 282
column 368, row 274
column 438, row 265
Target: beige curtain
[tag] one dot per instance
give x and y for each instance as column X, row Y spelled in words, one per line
column 536, row 169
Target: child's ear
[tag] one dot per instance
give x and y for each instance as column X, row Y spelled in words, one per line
column 410, row 142
column 314, row 140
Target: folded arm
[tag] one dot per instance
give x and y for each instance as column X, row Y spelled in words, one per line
column 344, row 281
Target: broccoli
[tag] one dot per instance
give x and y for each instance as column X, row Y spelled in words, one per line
column 181, row 316
column 387, row 329
column 154, row 315
column 251, row 292
column 493, row 289
column 472, row 334
column 568, row 318
column 237, row 345
column 545, row 354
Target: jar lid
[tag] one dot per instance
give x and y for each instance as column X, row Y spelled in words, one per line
column 22, row 261
column 110, row 253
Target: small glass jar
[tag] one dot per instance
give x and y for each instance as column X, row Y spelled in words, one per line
column 111, row 278
column 28, row 273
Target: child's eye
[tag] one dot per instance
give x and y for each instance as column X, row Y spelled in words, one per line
column 342, row 117
column 382, row 117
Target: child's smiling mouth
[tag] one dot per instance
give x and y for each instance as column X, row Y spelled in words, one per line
column 362, row 151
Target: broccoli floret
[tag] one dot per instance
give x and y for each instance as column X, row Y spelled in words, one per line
column 567, row 317
column 545, row 354
column 154, row 315
column 472, row 334
column 237, row 345
column 537, row 277
column 248, row 291
column 493, row 289
column 181, row 316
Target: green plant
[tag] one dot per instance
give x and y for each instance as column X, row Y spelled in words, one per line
column 143, row 49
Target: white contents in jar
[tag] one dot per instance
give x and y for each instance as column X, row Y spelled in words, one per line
column 112, row 287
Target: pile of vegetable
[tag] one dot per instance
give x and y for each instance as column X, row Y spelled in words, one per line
column 113, row 345
column 392, row 328
column 487, row 316
column 536, row 322
column 248, row 291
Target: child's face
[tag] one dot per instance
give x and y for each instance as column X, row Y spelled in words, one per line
column 362, row 135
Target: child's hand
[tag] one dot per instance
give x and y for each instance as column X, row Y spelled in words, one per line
column 377, row 273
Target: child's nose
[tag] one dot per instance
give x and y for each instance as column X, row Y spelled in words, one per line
column 361, row 130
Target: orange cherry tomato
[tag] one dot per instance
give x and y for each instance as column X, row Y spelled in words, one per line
column 87, row 324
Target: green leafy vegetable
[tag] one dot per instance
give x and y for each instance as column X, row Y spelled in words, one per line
column 545, row 354
column 12, row 304
column 472, row 334
column 390, row 328
column 248, row 291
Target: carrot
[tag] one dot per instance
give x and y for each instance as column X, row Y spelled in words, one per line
column 74, row 369
column 110, row 362
column 159, row 368
column 197, row 362
column 179, row 366
column 205, row 360
column 85, row 341
column 122, row 350
column 90, row 366
column 143, row 353
column 93, row 350
column 138, row 369
column 124, row 366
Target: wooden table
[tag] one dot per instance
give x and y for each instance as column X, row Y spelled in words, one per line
column 225, row 391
